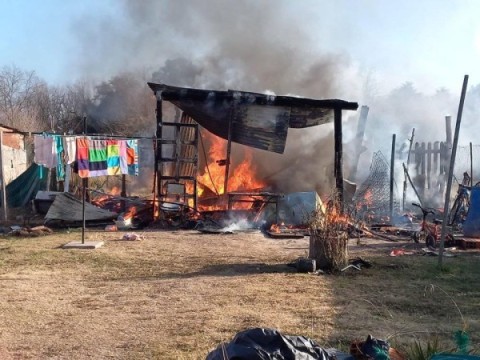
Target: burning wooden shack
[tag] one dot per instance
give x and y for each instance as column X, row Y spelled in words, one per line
column 256, row 120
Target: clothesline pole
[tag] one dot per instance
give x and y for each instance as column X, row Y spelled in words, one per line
column 84, row 187
column 84, row 192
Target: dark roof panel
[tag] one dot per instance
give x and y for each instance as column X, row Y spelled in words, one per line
column 258, row 120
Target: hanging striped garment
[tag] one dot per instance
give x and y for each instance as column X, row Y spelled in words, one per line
column 132, row 157
column 107, row 157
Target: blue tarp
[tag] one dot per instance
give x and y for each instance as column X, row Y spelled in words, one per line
column 471, row 225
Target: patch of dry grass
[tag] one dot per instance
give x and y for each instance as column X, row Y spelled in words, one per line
column 177, row 295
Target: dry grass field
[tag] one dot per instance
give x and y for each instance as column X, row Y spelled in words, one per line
column 177, row 295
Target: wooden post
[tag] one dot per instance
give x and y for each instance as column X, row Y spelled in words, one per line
column 338, row 158
column 436, row 172
column 4, row 188
column 423, row 176
column 362, row 123
column 417, row 158
column 448, row 129
column 195, row 190
column 450, row 172
column 405, row 174
column 436, row 151
column 471, row 165
column 157, row 179
column 392, row 176
column 429, row 165
column 229, row 150
column 448, row 145
column 443, row 165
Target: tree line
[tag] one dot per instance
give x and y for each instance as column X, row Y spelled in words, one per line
column 123, row 105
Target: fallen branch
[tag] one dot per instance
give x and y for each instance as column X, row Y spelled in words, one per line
column 374, row 233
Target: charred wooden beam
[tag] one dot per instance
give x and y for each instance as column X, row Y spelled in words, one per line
column 157, row 182
column 338, row 157
column 448, row 129
column 392, row 175
column 362, row 123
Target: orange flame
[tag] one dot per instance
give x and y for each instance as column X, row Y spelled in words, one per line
column 130, row 213
column 115, row 191
column 100, row 200
column 275, row 228
column 241, row 176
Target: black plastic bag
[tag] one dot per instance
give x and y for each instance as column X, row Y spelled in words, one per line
column 269, row 344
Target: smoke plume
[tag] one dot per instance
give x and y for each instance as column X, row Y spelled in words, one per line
column 258, row 46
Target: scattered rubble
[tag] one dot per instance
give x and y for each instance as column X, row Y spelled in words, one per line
column 132, row 237
column 30, row 231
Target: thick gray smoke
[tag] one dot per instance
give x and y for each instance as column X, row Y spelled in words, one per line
column 259, row 46
column 244, row 45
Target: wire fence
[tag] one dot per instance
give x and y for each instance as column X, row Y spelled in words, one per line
column 374, row 193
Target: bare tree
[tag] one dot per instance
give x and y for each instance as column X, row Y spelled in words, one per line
column 17, row 94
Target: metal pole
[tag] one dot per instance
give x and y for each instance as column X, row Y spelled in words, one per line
column 84, row 188
column 338, row 157
column 392, row 176
column 84, row 192
column 4, row 191
column 406, row 170
column 450, row 172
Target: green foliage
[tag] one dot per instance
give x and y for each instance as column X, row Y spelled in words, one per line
column 425, row 351
column 462, row 340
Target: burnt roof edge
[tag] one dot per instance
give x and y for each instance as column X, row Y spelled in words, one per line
column 168, row 92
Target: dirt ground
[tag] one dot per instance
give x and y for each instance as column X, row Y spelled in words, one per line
column 178, row 294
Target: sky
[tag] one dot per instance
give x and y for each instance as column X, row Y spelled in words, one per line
column 431, row 43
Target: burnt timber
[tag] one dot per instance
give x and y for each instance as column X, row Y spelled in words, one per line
column 257, row 120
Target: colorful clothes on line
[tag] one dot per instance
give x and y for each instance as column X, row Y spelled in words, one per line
column 58, row 143
column 70, row 145
column 45, row 151
column 107, row 157
column 132, row 157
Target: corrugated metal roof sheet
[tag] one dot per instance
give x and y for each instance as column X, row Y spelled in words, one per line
column 258, row 120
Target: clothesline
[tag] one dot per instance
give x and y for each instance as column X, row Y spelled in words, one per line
column 100, row 136
column 90, row 156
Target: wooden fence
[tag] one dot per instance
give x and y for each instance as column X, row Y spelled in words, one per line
column 429, row 166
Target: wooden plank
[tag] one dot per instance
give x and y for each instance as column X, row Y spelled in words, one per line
column 436, row 152
column 423, row 155
column 429, row 165
column 417, row 157
column 285, row 235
